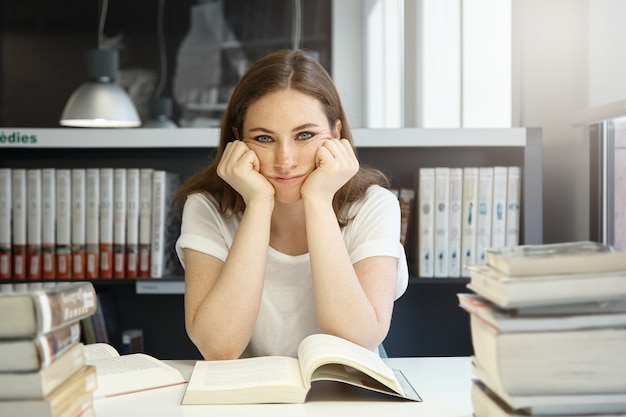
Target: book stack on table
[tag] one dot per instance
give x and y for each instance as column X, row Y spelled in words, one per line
column 43, row 371
column 548, row 326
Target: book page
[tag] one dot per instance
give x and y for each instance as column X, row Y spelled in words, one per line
column 322, row 349
column 131, row 373
column 99, row 350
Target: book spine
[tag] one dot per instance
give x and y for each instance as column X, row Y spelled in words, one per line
column 92, row 232
column 442, row 218
column 48, row 223
column 79, row 223
column 483, row 221
column 132, row 223
column 33, row 223
column 19, row 223
column 63, row 223
column 52, row 344
column 158, row 224
column 513, row 205
column 468, row 218
column 455, row 223
column 406, row 197
column 498, row 207
column 106, row 222
column 64, row 304
column 145, row 221
column 426, row 222
column 5, row 224
column 119, row 223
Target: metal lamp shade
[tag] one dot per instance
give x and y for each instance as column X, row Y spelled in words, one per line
column 100, row 102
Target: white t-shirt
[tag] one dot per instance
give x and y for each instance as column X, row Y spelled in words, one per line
column 287, row 313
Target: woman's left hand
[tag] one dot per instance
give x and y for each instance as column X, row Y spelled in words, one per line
column 335, row 163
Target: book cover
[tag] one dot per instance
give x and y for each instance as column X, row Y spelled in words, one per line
column 165, row 225
column 132, row 222
column 63, row 223
column 513, row 205
column 406, row 198
column 92, row 231
column 6, row 258
column 32, row 354
column 106, row 222
column 39, row 384
column 455, row 223
column 19, row 213
column 282, row 379
column 484, row 215
column 498, row 207
column 119, row 222
column 33, row 223
column 426, row 222
column 28, row 313
column 442, row 218
column 79, row 222
column 468, row 218
column 557, row 258
column 48, row 223
column 145, row 221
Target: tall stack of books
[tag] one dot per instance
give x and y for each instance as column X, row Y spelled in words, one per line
column 548, row 326
column 42, row 365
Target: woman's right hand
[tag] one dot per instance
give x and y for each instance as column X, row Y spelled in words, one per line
column 240, row 168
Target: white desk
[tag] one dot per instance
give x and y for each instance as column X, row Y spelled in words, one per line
column 443, row 383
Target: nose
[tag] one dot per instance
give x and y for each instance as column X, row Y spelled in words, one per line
column 285, row 156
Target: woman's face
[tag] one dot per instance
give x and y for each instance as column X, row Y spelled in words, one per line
column 285, row 129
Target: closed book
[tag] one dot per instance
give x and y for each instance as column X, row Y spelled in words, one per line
column 19, row 201
column 426, row 222
column 69, row 399
column 32, row 354
column 165, row 225
column 557, row 258
column 106, row 223
column 145, row 221
column 455, row 225
column 119, row 223
column 26, row 314
column 483, row 218
column 39, row 384
column 63, row 223
column 498, row 207
column 79, row 222
column 442, row 218
column 468, row 218
column 5, row 224
column 536, row 290
column 406, row 198
column 132, row 222
column 48, row 223
column 551, row 362
column 33, row 223
column 92, row 230
column 513, row 205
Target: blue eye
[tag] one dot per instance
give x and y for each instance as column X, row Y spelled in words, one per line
column 305, row 135
column 263, row 139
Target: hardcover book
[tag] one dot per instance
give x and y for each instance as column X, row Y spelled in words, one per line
column 48, row 223
column 6, row 258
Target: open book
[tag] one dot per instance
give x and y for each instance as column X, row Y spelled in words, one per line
column 282, row 379
column 124, row 374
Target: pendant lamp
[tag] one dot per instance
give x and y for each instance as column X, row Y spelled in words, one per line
column 100, row 101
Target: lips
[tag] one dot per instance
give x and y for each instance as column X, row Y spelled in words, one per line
column 291, row 179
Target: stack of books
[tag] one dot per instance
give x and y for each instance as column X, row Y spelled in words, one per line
column 43, row 371
column 548, row 327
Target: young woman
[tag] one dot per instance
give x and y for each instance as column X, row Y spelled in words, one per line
column 284, row 234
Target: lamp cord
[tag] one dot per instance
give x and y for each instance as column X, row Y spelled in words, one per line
column 103, row 16
column 162, row 50
column 297, row 24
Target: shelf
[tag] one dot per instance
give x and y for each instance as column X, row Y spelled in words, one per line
column 155, row 286
column 209, row 137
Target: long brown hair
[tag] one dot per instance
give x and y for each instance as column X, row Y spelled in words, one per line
column 276, row 71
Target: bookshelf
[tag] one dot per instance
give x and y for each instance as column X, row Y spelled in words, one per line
column 427, row 320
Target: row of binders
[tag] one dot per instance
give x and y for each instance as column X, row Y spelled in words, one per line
column 548, row 328
column 463, row 211
column 87, row 223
